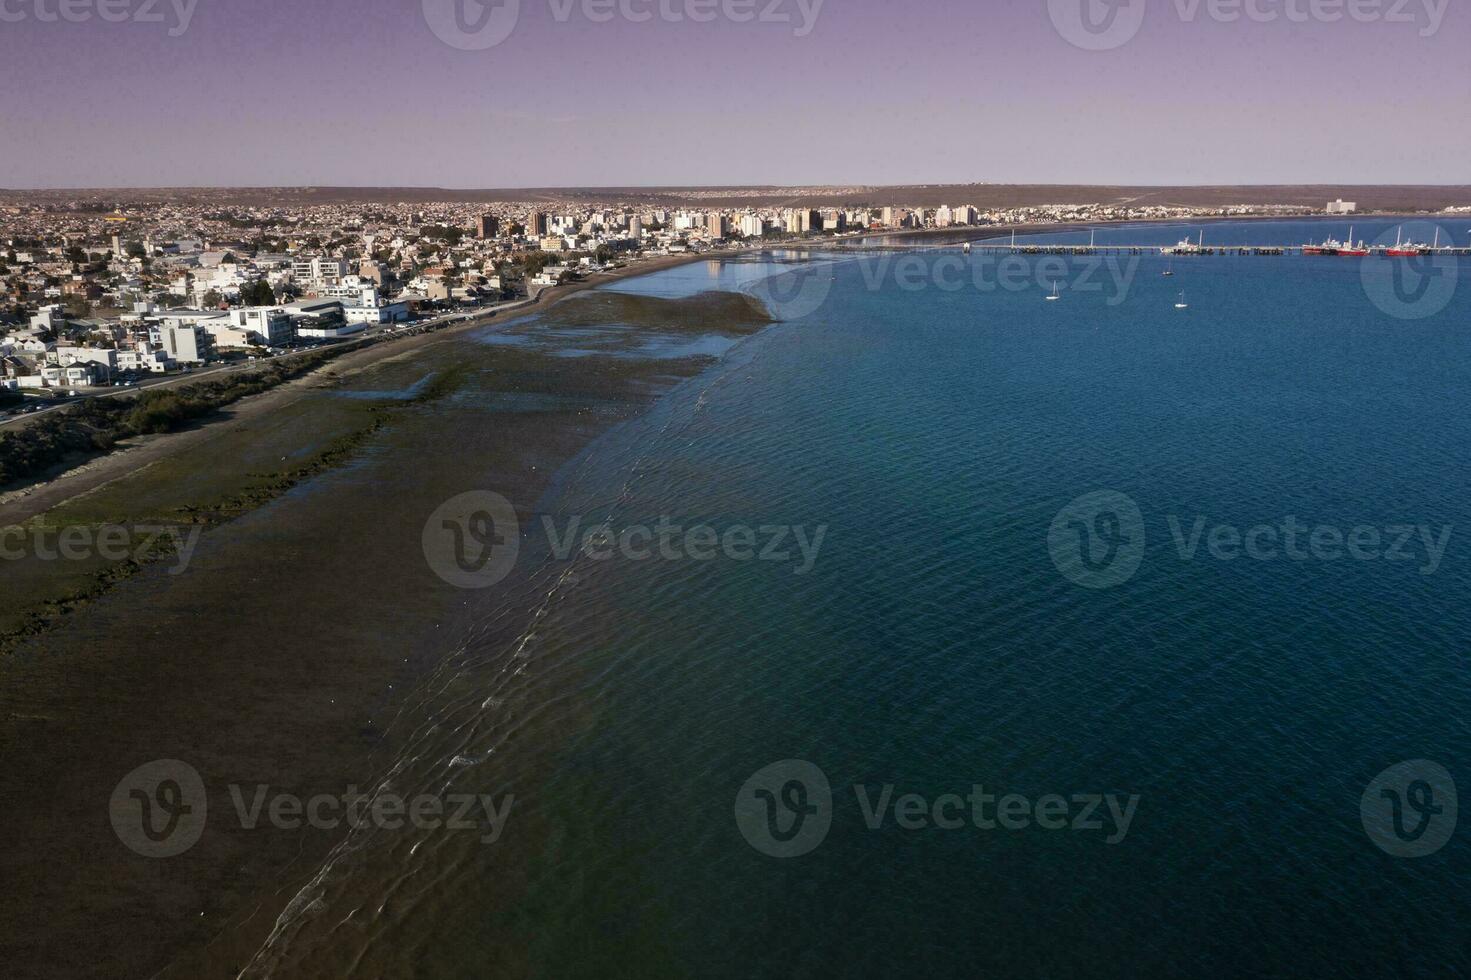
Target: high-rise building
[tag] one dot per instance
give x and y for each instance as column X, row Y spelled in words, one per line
column 487, row 226
column 536, row 224
column 635, row 227
column 715, row 225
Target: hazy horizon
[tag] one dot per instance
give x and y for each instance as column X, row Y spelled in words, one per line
column 327, row 93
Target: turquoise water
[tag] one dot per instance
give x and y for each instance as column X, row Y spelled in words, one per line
column 934, row 643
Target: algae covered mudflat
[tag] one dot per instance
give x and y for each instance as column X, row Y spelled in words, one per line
column 305, row 617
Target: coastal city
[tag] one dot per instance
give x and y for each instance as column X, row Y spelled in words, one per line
column 106, row 294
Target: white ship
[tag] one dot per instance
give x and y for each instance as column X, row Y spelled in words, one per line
column 1185, row 247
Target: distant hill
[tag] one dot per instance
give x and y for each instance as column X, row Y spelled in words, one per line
column 1406, row 197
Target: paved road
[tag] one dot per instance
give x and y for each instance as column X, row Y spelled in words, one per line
column 214, row 372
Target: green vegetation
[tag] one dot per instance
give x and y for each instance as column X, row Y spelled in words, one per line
column 97, row 424
column 58, row 589
column 258, row 293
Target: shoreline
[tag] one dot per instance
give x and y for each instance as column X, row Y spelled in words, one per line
column 317, row 708
column 26, row 503
column 979, row 233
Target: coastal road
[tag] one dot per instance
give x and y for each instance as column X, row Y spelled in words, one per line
column 189, row 377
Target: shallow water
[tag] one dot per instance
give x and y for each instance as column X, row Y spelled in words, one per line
column 934, row 643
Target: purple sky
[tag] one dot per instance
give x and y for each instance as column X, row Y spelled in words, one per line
column 289, row 92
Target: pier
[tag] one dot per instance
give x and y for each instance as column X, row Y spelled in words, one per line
column 1184, row 249
column 1175, row 251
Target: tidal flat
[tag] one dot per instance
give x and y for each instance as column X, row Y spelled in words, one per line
column 283, row 652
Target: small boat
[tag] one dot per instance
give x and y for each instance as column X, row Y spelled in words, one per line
column 1170, row 269
column 965, row 248
column 1181, row 304
column 1054, row 291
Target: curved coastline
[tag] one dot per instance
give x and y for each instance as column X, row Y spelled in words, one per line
column 40, row 720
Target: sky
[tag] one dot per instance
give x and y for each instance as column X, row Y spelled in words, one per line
column 548, row 93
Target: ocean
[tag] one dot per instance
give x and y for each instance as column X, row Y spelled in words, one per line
column 941, row 628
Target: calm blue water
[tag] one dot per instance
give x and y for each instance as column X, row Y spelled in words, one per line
column 934, row 644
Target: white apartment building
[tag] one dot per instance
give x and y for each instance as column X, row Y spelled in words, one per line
column 142, row 359
column 184, row 343
column 319, row 271
column 265, row 325
column 104, row 358
column 52, row 318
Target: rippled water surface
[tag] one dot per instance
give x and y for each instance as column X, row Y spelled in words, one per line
column 931, row 436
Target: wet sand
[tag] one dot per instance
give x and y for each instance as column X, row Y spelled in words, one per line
column 291, row 650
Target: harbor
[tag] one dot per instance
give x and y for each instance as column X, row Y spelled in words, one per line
column 1186, row 247
column 1198, row 247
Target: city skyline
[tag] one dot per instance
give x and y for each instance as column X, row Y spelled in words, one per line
column 326, row 93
